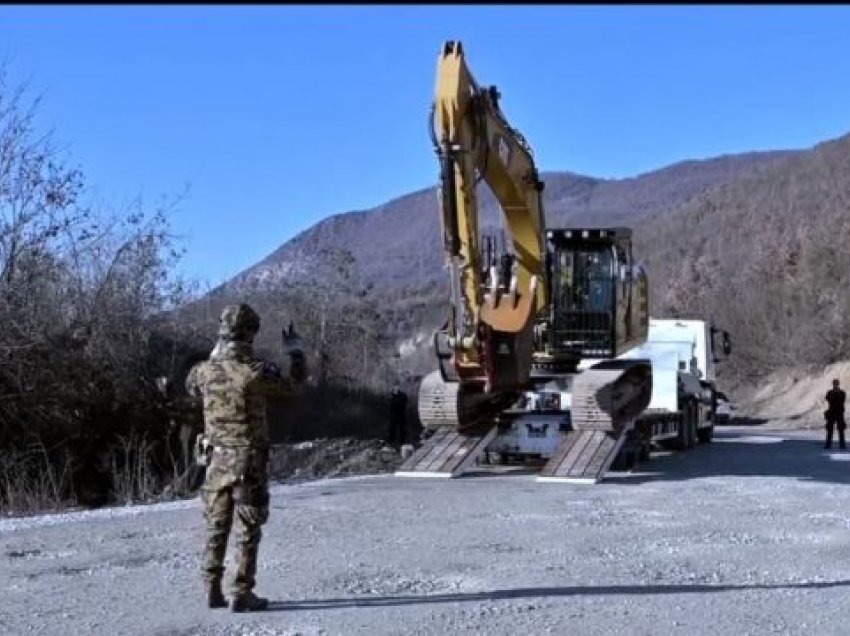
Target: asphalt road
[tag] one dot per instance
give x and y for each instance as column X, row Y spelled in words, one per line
column 747, row 535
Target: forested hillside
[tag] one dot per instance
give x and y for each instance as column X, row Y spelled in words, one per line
column 768, row 256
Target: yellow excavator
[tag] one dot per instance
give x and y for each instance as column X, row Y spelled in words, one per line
column 545, row 322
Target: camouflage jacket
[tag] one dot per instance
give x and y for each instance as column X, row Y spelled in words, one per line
column 233, row 386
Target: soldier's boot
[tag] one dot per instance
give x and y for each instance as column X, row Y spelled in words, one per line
column 215, row 597
column 243, row 598
column 248, row 602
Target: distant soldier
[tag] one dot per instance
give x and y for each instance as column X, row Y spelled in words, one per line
column 834, row 415
column 398, row 417
column 233, row 384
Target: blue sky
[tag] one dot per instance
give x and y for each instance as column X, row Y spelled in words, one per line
column 279, row 116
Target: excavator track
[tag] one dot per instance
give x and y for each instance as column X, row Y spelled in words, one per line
column 460, row 419
column 605, row 401
column 457, row 406
column 611, row 393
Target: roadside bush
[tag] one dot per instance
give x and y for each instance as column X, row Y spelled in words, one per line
column 84, row 295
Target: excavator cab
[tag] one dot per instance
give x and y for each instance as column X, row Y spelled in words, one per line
column 599, row 298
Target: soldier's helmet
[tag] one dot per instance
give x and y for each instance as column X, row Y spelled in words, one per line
column 239, row 323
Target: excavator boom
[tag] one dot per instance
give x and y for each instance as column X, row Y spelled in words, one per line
column 492, row 311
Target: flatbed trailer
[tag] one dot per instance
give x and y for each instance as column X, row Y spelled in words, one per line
column 541, row 426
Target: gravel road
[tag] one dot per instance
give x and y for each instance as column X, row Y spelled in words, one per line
column 747, row 535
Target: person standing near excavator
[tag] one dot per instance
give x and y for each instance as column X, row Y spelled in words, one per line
column 397, row 433
column 233, row 385
column 834, row 415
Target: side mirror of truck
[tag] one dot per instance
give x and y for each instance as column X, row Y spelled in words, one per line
column 727, row 344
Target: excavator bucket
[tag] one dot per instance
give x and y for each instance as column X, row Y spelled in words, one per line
column 509, row 339
column 510, row 314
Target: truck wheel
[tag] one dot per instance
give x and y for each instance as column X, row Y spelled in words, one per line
column 692, row 425
column 687, row 427
column 681, row 441
column 624, row 461
column 705, row 434
column 627, row 457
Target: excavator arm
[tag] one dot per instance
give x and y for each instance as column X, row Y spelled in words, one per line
column 492, row 310
column 486, row 347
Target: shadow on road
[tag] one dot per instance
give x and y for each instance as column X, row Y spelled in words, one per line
column 532, row 469
column 746, row 453
column 540, row 592
column 746, row 421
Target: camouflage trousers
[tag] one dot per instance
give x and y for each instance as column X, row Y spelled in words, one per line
column 236, row 486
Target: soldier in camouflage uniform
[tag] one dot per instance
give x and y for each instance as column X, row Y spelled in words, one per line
column 233, row 384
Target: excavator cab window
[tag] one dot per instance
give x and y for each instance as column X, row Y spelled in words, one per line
column 598, row 274
column 584, row 279
column 584, row 297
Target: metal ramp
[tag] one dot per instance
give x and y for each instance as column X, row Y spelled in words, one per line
column 447, row 453
column 584, row 457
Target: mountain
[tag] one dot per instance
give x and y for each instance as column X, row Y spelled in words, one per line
column 405, row 232
column 768, row 255
column 758, row 242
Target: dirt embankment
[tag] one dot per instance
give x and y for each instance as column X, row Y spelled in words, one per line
column 792, row 397
column 331, row 457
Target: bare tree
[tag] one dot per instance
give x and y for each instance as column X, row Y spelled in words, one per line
column 82, row 292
